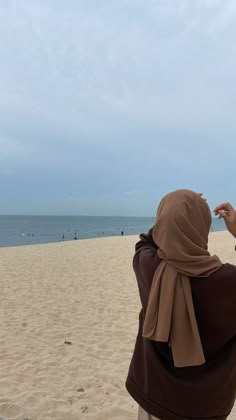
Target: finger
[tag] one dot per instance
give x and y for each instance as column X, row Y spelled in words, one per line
column 221, row 211
column 217, row 212
column 223, row 214
column 223, row 206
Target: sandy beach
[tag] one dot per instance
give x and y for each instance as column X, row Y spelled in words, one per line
column 69, row 317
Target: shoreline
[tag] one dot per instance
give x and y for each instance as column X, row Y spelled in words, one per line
column 28, row 230
column 88, row 239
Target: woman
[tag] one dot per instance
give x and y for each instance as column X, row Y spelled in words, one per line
column 184, row 362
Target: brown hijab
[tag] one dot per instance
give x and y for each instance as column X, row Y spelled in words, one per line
column 181, row 234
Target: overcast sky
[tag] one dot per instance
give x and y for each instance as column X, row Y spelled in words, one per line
column 107, row 105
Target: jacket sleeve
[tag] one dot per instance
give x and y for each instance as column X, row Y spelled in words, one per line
column 145, row 263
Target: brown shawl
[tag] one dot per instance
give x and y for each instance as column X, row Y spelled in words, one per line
column 181, row 234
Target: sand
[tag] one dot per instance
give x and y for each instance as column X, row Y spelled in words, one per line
column 83, row 293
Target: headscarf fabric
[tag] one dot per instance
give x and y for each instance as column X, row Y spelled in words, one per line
column 181, row 233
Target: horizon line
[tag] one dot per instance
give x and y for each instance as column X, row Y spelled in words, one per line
column 68, row 215
column 79, row 215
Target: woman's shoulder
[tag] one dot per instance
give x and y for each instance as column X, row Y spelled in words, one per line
column 226, row 269
column 222, row 280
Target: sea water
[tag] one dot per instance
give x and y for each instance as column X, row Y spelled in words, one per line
column 28, row 230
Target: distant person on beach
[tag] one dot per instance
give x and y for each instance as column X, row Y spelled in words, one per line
column 184, row 361
column 122, row 233
column 75, row 237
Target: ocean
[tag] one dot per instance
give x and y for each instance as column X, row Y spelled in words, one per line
column 28, row 230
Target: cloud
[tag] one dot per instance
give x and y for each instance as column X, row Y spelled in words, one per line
column 119, row 96
column 153, row 61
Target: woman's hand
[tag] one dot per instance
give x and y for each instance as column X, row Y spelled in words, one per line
column 227, row 212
